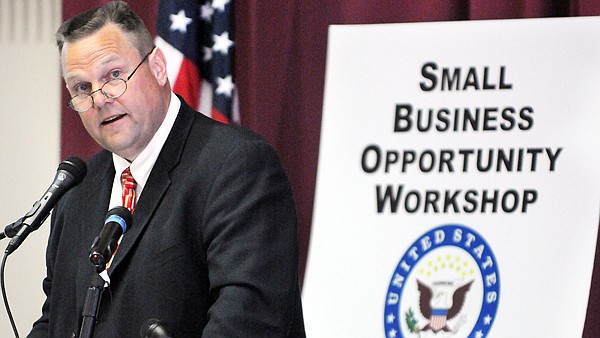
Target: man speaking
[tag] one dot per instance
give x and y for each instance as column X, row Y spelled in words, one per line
column 213, row 247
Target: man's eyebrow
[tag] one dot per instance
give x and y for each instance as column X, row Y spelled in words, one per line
column 109, row 59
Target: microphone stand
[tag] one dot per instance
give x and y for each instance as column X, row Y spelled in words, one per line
column 91, row 306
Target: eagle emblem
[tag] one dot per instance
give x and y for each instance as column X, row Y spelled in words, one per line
column 434, row 305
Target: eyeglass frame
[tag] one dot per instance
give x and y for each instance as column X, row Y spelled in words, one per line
column 106, row 95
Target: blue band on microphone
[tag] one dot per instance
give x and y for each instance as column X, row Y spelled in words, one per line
column 118, row 219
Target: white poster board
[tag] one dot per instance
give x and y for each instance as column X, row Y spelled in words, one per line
column 458, row 186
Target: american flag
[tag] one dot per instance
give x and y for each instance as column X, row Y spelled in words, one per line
column 197, row 37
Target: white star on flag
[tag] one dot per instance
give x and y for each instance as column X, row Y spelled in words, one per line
column 222, row 43
column 180, row 21
column 220, row 4
column 206, row 12
column 224, row 86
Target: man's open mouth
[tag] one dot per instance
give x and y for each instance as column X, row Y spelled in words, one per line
column 113, row 119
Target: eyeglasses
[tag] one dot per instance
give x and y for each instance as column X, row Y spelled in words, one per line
column 111, row 89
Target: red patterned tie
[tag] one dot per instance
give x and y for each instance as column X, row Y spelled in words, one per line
column 128, row 184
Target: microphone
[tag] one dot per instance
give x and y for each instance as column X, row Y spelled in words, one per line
column 118, row 220
column 154, row 328
column 70, row 172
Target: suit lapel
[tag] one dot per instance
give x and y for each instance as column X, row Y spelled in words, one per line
column 92, row 218
column 158, row 183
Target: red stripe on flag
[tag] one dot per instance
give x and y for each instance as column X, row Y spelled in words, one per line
column 187, row 83
column 216, row 115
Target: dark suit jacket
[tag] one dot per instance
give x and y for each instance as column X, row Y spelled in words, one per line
column 212, row 251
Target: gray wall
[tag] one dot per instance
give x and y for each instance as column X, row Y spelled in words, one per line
column 29, row 146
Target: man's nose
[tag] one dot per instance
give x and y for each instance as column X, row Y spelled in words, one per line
column 99, row 100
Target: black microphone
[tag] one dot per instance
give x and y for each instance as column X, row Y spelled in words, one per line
column 154, row 328
column 118, row 220
column 70, row 172
column 12, row 229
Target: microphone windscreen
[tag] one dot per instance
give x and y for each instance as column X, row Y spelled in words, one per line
column 153, row 328
column 121, row 212
column 75, row 166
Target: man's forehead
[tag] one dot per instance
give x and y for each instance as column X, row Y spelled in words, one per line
column 104, row 47
column 109, row 39
column 82, row 58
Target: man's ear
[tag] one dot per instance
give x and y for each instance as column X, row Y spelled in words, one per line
column 158, row 66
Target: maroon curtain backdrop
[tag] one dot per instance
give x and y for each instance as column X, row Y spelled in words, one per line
column 280, row 72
